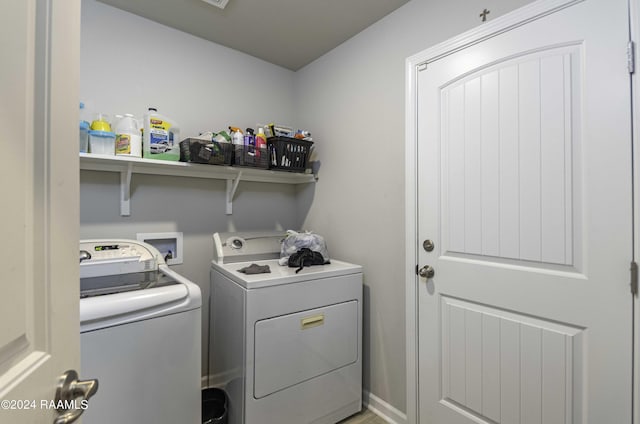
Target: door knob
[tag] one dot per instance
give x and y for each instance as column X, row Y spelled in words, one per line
column 427, row 271
column 72, row 396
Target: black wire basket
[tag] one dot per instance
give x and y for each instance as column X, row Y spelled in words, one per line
column 251, row 156
column 289, row 154
column 209, row 152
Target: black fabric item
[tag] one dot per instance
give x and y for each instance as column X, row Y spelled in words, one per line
column 305, row 257
column 255, row 269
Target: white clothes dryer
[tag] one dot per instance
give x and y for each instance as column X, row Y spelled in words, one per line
column 139, row 335
column 285, row 346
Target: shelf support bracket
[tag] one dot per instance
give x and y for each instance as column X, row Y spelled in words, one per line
column 232, row 186
column 125, row 190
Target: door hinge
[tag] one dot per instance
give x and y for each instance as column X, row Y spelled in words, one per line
column 631, row 57
column 422, row 67
column 634, row 278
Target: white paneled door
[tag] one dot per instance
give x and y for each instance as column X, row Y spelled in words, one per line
column 39, row 289
column 524, row 189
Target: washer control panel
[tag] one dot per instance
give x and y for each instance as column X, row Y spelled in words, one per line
column 117, row 250
column 115, row 257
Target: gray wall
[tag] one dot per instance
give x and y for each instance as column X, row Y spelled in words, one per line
column 129, row 63
column 354, row 103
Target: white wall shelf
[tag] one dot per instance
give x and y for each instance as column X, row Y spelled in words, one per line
column 127, row 166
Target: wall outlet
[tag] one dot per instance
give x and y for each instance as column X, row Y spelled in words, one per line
column 169, row 245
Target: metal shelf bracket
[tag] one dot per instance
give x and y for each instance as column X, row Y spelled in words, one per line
column 125, row 190
column 232, row 186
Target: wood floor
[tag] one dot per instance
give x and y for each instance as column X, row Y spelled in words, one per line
column 364, row 417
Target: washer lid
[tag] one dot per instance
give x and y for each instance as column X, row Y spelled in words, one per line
column 283, row 274
column 124, row 304
column 110, row 310
column 119, row 283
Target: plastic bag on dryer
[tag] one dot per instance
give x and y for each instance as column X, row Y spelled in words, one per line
column 296, row 241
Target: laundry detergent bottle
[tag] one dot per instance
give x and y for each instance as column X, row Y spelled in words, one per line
column 161, row 137
column 128, row 138
column 84, row 130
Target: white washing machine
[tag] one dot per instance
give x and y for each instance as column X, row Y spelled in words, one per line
column 285, row 346
column 140, row 335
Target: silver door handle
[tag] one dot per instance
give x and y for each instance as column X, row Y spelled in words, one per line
column 72, row 396
column 427, row 271
column 84, row 255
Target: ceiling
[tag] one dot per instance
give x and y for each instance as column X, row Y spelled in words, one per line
column 289, row 33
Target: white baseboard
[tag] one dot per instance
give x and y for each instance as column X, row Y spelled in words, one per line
column 384, row 410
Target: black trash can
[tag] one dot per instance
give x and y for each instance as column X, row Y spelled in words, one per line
column 214, row 406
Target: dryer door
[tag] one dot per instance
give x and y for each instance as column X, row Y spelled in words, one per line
column 293, row 348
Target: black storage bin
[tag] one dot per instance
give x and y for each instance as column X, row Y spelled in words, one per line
column 289, row 154
column 209, row 152
column 251, row 156
column 214, row 406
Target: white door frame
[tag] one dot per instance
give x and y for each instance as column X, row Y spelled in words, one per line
column 634, row 20
column 490, row 29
